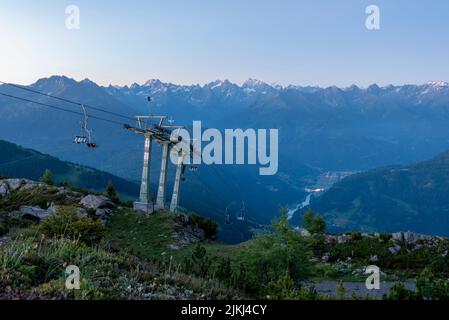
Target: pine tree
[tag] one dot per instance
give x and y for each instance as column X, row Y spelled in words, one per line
column 47, row 177
column 313, row 223
column 112, row 193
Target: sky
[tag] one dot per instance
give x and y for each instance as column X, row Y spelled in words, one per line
column 313, row 42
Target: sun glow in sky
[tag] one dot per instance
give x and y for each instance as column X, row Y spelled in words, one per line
column 314, row 42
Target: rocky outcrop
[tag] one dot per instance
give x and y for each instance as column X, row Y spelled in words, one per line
column 102, row 206
column 9, row 185
column 68, row 193
column 410, row 237
column 395, row 249
column 96, row 202
column 4, row 189
column 33, row 213
column 303, row 232
column 186, row 233
column 103, row 213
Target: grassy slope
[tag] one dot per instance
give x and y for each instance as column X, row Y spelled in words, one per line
column 144, row 236
column 150, row 236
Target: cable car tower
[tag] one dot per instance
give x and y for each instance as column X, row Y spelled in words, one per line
column 153, row 129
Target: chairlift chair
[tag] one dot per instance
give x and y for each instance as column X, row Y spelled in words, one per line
column 227, row 219
column 193, row 168
column 228, row 216
column 80, row 139
column 86, row 136
column 241, row 215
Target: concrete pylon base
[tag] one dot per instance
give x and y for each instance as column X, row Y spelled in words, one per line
column 142, row 207
column 160, row 207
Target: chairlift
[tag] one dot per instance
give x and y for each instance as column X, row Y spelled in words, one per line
column 242, row 213
column 227, row 219
column 228, row 215
column 80, row 139
column 193, row 168
column 86, row 136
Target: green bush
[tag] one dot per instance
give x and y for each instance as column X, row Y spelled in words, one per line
column 356, row 236
column 208, row 225
column 385, row 237
column 268, row 257
column 224, row 271
column 399, row 292
column 112, row 193
column 284, row 289
column 67, row 222
column 199, row 264
column 313, row 223
column 429, row 287
column 3, row 223
column 47, row 177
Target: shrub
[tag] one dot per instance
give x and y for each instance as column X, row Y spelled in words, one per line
column 268, row 257
column 356, row 236
column 385, row 237
column 112, row 193
column 47, row 177
column 224, row 271
column 3, row 223
column 429, row 287
column 209, row 226
column 67, row 222
column 284, row 289
column 312, row 222
column 399, row 292
column 199, row 263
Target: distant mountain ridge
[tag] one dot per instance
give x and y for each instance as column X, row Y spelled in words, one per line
column 18, row 162
column 412, row 197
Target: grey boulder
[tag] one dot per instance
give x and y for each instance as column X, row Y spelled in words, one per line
column 96, row 202
column 4, row 189
column 30, row 212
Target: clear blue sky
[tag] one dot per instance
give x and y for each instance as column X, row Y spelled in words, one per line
column 313, row 42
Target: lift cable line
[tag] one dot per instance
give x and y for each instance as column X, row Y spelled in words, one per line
column 59, row 108
column 158, row 132
column 67, row 100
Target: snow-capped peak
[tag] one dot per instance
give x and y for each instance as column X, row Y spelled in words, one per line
column 220, row 83
column 438, row 84
column 152, row 83
column 254, row 83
